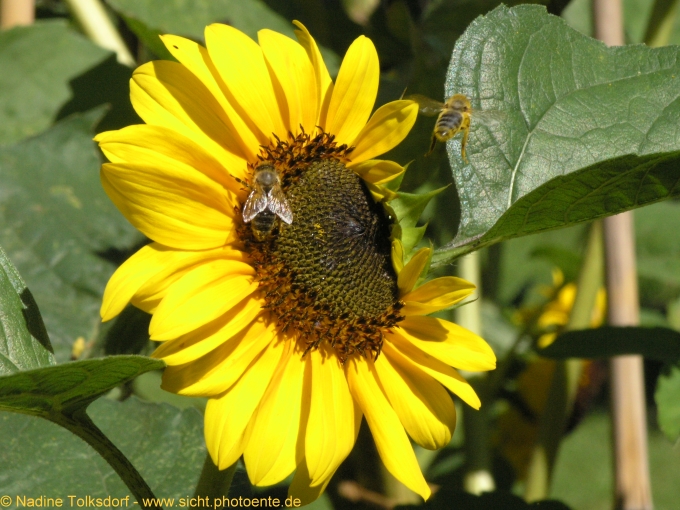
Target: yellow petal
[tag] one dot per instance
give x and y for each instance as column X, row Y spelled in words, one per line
column 390, row 438
column 448, row 342
column 132, row 274
column 196, row 59
column 334, row 417
column 275, row 435
column 227, row 416
column 217, row 371
column 388, row 126
column 159, row 146
column 167, row 94
column 173, row 205
column 354, row 93
column 293, row 79
column 377, row 171
column 424, row 407
column 436, row 295
column 241, row 65
column 323, row 80
column 408, row 354
column 201, row 341
column 152, row 292
column 200, row 296
column 408, row 276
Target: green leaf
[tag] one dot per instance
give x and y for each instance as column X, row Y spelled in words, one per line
column 150, row 37
column 660, row 344
column 24, row 343
column 658, row 245
column 38, row 62
column 409, row 206
column 410, row 236
column 583, row 475
column 667, row 397
column 583, row 130
column 188, row 18
column 447, row 498
column 59, row 227
column 164, row 443
column 70, row 387
column 61, row 395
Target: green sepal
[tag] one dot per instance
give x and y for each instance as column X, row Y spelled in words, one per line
column 395, row 183
column 409, row 236
column 409, row 206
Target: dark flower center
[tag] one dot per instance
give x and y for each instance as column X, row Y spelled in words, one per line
column 328, row 275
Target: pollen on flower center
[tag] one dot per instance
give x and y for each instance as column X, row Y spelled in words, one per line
column 328, row 276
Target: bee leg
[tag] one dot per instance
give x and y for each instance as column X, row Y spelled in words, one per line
column 432, row 145
column 466, row 132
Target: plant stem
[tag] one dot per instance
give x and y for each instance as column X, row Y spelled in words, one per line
column 97, row 25
column 214, row 483
column 16, row 12
column 82, row 426
column 565, row 379
column 633, row 488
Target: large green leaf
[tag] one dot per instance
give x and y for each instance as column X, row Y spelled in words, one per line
column 568, row 107
column 583, row 474
column 24, row 344
column 61, row 395
column 37, row 63
column 70, row 387
column 149, row 18
column 165, row 444
column 60, row 228
column 660, row 344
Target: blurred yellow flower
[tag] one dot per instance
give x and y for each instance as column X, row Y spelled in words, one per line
column 297, row 336
column 518, row 427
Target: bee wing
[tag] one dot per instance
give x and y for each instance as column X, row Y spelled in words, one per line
column 489, row 118
column 279, row 205
column 426, row 106
column 256, row 203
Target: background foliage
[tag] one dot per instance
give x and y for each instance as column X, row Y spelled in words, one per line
column 612, row 130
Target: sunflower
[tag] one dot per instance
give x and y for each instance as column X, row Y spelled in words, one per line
column 296, row 333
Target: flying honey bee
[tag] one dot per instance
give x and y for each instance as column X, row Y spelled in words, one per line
column 454, row 117
column 265, row 202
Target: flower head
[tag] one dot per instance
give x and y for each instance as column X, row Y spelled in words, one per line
column 298, row 330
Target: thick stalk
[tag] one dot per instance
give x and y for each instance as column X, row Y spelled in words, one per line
column 214, row 483
column 95, row 22
column 16, row 12
column 478, row 477
column 631, row 465
column 633, row 487
column 565, row 379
